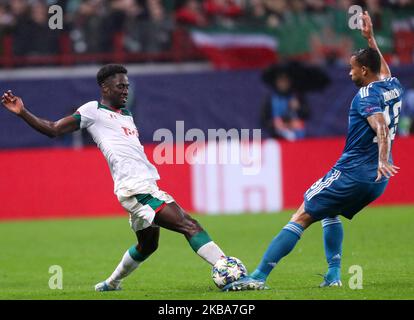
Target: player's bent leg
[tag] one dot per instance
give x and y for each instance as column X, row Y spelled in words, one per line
column 302, row 218
column 278, row 248
column 133, row 257
column 332, row 238
column 148, row 241
column 174, row 218
column 283, row 243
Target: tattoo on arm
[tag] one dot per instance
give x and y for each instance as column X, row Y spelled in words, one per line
column 378, row 124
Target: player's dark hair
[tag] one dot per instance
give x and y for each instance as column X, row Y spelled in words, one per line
column 369, row 58
column 109, row 70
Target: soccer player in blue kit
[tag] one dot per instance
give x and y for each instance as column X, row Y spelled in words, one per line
column 360, row 175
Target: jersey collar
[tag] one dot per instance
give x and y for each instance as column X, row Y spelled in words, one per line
column 123, row 111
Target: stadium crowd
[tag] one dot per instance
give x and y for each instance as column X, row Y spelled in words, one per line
column 148, row 25
column 315, row 30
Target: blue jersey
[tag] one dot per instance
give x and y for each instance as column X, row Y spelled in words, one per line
column 360, row 156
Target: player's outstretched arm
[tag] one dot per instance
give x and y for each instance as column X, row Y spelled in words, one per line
column 50, row 128
column 378, row 124
column 368, row 33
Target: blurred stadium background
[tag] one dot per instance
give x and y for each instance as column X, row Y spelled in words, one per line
column 210, row 63
column 278, row 65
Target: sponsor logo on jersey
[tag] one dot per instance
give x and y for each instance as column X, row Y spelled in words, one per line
column 130, row 132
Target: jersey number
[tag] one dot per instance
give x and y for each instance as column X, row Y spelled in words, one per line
column 396, row 113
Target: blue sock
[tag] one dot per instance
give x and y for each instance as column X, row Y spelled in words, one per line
column 280, row 246
column 333, row 235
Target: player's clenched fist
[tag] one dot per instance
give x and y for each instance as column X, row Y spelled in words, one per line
column 12, row 102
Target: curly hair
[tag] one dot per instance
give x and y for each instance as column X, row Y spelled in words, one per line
column 109, row 70
column 369, row 58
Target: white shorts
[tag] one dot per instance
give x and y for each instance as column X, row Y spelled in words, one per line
column 143, row 206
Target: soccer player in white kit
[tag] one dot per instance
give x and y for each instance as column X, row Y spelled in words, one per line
column 112, row 128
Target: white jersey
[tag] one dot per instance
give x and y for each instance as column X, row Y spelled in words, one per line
column 116, row 135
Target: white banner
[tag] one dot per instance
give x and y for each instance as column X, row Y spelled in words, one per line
column 253, row 185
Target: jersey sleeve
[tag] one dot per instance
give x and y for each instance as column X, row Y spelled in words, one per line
column 369, row 102
column 86, row 115
column 398, row 84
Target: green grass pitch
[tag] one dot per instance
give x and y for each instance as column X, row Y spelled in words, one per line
column 380, row 240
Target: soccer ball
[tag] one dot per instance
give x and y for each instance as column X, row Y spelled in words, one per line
column 227, row 270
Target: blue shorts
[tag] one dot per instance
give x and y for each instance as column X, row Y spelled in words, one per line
column 337, row 193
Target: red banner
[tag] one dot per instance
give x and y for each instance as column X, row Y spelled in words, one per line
column 304, row 162
column 44, row 183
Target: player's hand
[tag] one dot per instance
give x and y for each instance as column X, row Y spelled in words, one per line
column 12, row 102
column 367, row 29
column 386, row 169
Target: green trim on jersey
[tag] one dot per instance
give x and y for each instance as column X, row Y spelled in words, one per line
column 124, row 111
column 199, row 239
column 77, row 116
column 148, row 199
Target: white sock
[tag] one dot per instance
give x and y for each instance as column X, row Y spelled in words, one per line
column 124, row 268
column 210, row 252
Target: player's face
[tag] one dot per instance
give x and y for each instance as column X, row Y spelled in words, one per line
column 117, row 90
column 357, row 72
